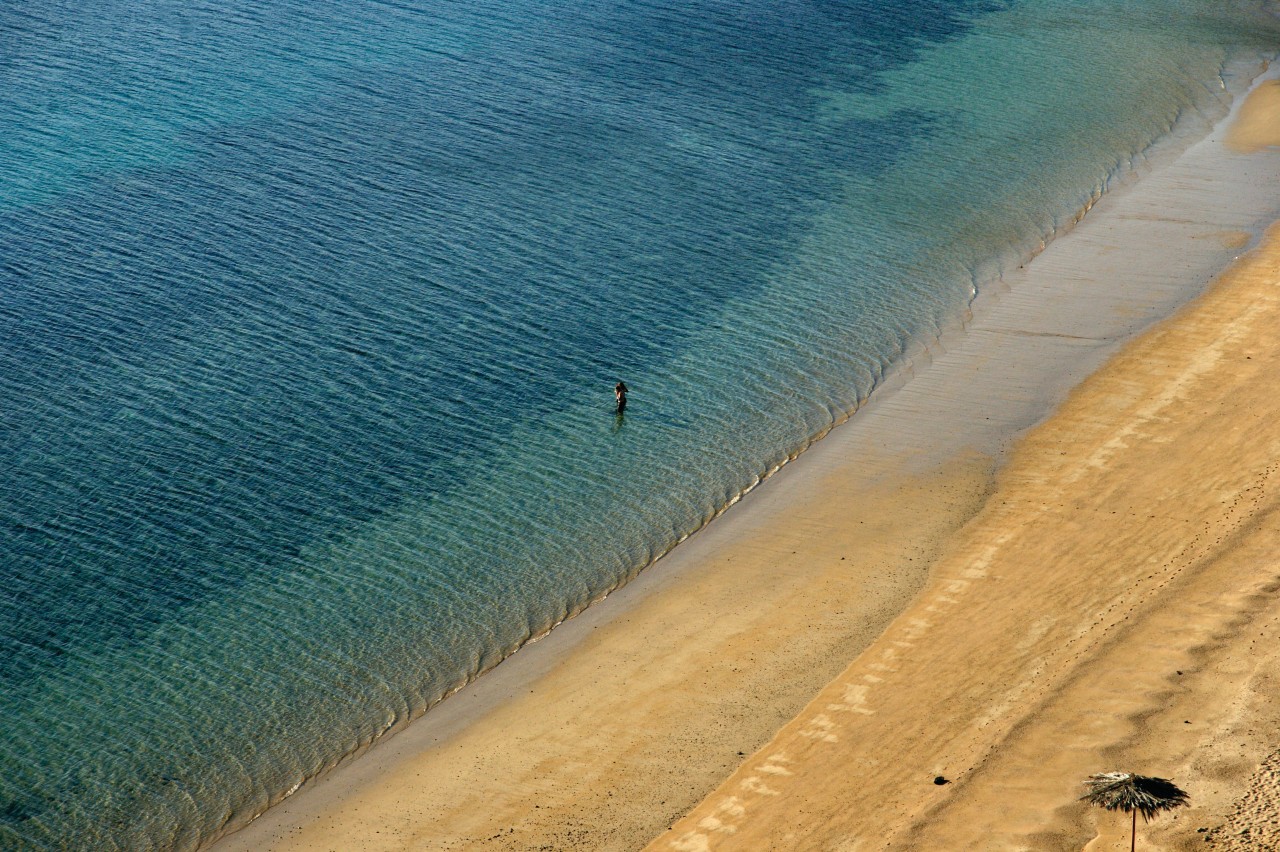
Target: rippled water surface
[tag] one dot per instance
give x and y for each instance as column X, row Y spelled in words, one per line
column 310, row 315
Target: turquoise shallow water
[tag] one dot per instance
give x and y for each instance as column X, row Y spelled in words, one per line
column 310, row 315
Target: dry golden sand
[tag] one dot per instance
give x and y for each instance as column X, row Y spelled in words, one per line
column 1258, row 125
column 1113, row 607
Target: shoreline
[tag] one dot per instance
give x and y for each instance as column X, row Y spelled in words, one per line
column 1111, row 608
column 681, row 660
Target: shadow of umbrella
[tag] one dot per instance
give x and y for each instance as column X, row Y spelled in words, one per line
column 1135, row 794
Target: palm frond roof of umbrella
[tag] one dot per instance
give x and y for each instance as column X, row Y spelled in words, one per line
column 1124, row 791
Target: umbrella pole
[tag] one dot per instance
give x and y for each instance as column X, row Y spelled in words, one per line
column 1133, row 836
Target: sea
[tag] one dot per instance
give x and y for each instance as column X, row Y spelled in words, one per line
column 311, row 313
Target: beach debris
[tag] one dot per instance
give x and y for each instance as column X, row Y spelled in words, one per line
column 941, row 779
column 1134, row 794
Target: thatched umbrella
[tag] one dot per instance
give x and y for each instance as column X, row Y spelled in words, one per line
column 1135, row 794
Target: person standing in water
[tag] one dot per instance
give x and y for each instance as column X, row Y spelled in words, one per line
column 620, row 392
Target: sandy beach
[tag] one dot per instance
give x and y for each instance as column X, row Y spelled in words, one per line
column 1100, row 597
column 1113, row 607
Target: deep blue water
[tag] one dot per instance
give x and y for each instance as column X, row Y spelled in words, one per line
column 310, row 315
